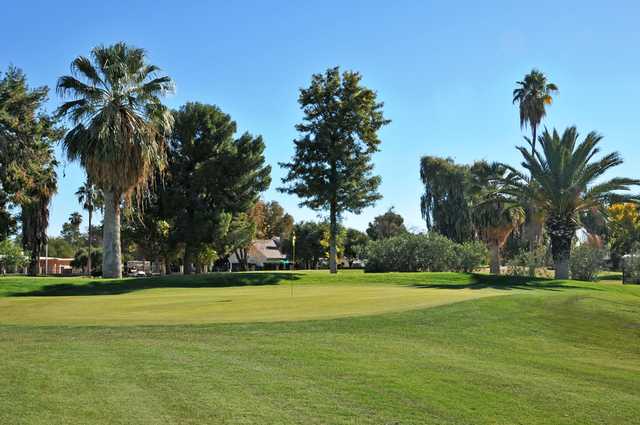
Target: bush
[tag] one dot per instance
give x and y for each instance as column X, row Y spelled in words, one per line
column 11, row 256
column 470, row 255
column 586, row 262
column 430, row 252
column 631, row 268
column 523, row 263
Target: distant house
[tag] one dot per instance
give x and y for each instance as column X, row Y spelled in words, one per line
column 263, row 254
column 57, row 266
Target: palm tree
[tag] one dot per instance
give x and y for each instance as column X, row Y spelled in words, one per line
column 90, row 197
column 120, row 130
column 564, row 179
column 533, row 94
column 75, row 219
column 494, row 214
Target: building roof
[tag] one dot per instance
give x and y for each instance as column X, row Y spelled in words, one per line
column 55, row 258
column 267, row 248
column 262, row 251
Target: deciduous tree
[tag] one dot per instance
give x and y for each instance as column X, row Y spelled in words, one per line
column 445, row 203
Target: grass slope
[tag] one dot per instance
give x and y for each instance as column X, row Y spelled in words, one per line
column 224, row 298
column 550, row 353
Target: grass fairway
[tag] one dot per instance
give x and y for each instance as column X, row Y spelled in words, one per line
column 545, row 352
column 166, row 305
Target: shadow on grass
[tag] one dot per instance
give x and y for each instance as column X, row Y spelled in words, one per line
column 116, row 287
column 481, row 281
column 610, row 276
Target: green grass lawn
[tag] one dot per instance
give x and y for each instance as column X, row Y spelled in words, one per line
column 417, row 348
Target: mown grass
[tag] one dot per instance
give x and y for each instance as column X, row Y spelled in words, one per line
column 548, row 353
column 239, row 297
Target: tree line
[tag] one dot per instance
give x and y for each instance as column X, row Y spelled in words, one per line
column 179, row 177
column 558, row 189
column 182, row 186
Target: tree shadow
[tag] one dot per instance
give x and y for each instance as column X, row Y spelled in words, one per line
column 482, row 281
column 611, row 276
column 124, row 286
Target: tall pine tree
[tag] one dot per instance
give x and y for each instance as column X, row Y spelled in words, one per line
column 27, row 161
column 332, row 166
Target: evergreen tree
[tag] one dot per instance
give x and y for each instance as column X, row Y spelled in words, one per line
column 27, row 162
column 212, row 176
column 386, row 225
column 309, row 249
column 355, row 243
column 332, row 167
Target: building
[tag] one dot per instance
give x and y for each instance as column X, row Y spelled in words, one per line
column 263, row 254
column 57, row 266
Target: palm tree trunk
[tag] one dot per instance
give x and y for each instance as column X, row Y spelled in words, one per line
column 112, row 257
column 163, row 266
column 562, row 268
column 89, row 268
column 532, row 236
column 494, row 262
column 333, row 231
column 34, row 264
column 561, row 232
column 532, row 231
column 188, row 259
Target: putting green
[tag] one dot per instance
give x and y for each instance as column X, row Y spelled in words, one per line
column 228, row 305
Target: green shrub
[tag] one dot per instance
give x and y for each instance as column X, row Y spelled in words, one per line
column 523, row 263
column 390, row 254
column 430, row 252
column 586, row 262
column 470, row 255
column 11, row 256
column 631, row 268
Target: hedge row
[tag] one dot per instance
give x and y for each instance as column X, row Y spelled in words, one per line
column 425, row 252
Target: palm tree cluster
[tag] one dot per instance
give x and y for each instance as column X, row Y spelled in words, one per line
column 564, row 181
column 559, row 188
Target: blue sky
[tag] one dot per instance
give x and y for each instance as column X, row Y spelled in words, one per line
column 445, row 71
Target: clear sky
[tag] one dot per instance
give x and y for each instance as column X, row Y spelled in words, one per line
column 445, row 71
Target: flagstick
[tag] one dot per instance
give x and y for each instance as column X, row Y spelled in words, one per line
column 293, row 265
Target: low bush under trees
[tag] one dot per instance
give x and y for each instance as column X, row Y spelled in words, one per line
column 430, row 252
column 525, row 262
column 11, row 256
column 631, row 268
column 586, row 262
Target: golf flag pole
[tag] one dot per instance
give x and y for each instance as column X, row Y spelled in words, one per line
column 293, row 263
